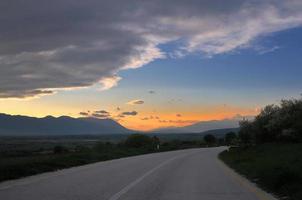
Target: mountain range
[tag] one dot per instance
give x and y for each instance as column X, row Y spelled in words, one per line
column 202, row 126
column 16, row 125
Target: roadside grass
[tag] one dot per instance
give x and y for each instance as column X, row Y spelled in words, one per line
column 16, row 162
column 12, row 168
column 277, row 168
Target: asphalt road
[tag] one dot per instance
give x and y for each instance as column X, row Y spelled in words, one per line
column 194, row 174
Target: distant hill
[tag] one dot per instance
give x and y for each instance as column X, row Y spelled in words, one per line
column 219, row 133
column 16, row 125
column 201, row 126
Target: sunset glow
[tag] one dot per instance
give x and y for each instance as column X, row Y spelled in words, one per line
column 175, row 67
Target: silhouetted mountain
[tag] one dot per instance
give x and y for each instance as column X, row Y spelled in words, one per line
column 220, row 132
column 12, row 125
column 201, row 126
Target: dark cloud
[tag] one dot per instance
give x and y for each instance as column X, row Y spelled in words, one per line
column 101, row 112
column 178, row 121
column 178, row 115
column 84, row 113
column 99, row 115
column 25, row 94
column 60, row 44
column 96, row 114
column 151, row 117
column 151, row 92
column 120, row 116
column 132, row 113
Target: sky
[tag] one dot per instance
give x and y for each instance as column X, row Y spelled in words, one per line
column 149, row 64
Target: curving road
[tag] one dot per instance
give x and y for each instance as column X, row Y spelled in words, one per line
column 194, row 174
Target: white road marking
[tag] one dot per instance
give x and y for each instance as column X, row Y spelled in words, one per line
column 138, row 180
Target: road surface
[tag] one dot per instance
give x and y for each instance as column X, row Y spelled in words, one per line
column 194, row 174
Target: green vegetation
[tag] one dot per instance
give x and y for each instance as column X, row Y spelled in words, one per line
column 210, row 139
column 275, row 123
column 274, row 167
column 29, row 156
column 230, row 138
column 268, row 150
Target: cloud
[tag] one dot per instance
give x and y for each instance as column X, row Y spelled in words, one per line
column 151, row 92
column 96, row 115
column 109, row 82
column 101, row 112
column 120, row 116
column 151, row 117
column 84, row 113
column 68, row 45
column 25, row 94
column 179, row 121
column 263, row 50
column 178, row 115
column 132, row 113
column 136, row 102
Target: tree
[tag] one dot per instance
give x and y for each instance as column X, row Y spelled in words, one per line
column 262, row 131
column 246, row 132
column 103, row 146
column 58, row 149
column 139, row 141
column 275, row 123
column 230, row 138
column 210, row 139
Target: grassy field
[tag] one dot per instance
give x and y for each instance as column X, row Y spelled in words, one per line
column 277, row 168
column 20, row 157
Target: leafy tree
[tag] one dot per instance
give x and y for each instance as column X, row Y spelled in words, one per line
column 262, row 131
column 210, row 139
column 275, row 123
column 246, row 132
column 139, row 141
column 103, row 146
column 230, row 138
column 58, row 149
column 156, row 142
